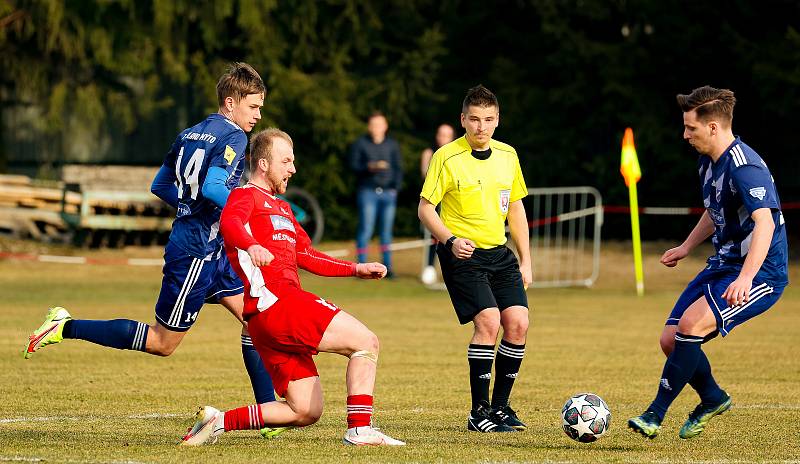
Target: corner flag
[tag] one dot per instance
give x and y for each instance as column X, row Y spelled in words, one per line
column 629, row 164
column 629, row 167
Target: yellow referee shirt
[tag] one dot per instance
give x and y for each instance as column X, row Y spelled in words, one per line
column 475, row 193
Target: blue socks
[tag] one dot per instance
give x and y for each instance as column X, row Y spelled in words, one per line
column 679, row 368
column 122, row 334
column 259, row 377
column 703, row 382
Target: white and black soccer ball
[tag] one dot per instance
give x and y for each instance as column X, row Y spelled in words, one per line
column 585, row 417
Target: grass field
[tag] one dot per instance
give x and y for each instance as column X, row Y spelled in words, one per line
column 76, row 402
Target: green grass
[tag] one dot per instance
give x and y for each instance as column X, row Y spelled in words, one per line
column 76, row 402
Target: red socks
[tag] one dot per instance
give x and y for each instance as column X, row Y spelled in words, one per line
column 244, row 418
column 359, row 411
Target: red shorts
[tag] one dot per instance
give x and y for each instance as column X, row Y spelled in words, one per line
column 288, row 333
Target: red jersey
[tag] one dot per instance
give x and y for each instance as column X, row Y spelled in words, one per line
column 253, row 216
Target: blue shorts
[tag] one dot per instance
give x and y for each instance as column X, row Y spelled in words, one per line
column 190, row 282
column 712, row 283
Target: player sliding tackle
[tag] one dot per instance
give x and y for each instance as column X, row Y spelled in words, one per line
column 266, row 245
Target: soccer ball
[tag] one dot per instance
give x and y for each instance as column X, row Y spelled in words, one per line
column 585, row 417
column 428, row 276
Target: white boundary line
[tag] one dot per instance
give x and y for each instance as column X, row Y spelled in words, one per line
column 153, row 415
column 71, row 461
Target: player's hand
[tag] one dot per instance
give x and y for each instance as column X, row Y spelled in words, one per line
column 527, row 275
column 463, row 248
column 259, row 255
column 738, row 292
column 370, row 270
column 671, row 257
column 377, row 166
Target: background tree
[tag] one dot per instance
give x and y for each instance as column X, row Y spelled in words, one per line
column 94, row 81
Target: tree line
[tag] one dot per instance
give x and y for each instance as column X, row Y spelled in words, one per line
column 94, row 81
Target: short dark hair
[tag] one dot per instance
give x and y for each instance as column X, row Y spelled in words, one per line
column 709, row 103
column 261, row 145
column 479, row 96
column 238, row 82
column 376, row 114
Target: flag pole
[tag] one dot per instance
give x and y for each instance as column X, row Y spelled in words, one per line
column 631, row 172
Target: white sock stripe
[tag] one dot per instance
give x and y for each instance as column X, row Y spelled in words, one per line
column 511, row 353
column 745, row 306
column 510, row 348
column 191, row 279
column 255, row 417
column 480, row 353
column 138, row 338
column 135, row 341
column 359, row 411
column 480, row 350
column 753, row 295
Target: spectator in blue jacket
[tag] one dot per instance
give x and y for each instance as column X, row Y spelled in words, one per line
column 375, row 159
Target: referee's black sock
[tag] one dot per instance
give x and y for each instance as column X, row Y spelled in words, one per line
column 480, row 359
column 509, row 358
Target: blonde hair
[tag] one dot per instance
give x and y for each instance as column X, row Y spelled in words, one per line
column 261, row 145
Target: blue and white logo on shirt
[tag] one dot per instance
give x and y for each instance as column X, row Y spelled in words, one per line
column 758, row 192
column 281, row 223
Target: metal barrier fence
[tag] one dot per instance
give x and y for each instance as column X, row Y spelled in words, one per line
column 565, row 225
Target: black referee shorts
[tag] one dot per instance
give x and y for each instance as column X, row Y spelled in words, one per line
column 489, row 279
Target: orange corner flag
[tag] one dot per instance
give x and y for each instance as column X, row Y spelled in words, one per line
column 629, row 163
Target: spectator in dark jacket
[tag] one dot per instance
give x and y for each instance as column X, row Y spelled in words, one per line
column 375, row 159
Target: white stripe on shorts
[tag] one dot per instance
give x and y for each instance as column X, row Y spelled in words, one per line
column 191, row 279
column 734, row 310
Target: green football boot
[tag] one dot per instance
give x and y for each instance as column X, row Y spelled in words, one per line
column 272, row 432
column 51, row 331
column 702, row 414
column 648, row 424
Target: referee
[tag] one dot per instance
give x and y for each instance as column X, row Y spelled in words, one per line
column 479, row 182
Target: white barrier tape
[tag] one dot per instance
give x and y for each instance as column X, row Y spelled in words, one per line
column 339, row 253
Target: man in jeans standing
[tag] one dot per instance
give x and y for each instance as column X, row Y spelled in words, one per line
column 375, row 159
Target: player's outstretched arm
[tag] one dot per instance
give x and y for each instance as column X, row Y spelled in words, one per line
column 702, row 230
column 317, row 262
column 370, row 271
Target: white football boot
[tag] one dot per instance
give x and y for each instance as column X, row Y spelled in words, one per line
column 209, row 425
column 360, row 436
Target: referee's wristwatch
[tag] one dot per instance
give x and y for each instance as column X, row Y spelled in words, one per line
column 449, row 243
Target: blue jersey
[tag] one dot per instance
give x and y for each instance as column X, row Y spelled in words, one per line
column 215, row 142
column 733, row 187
